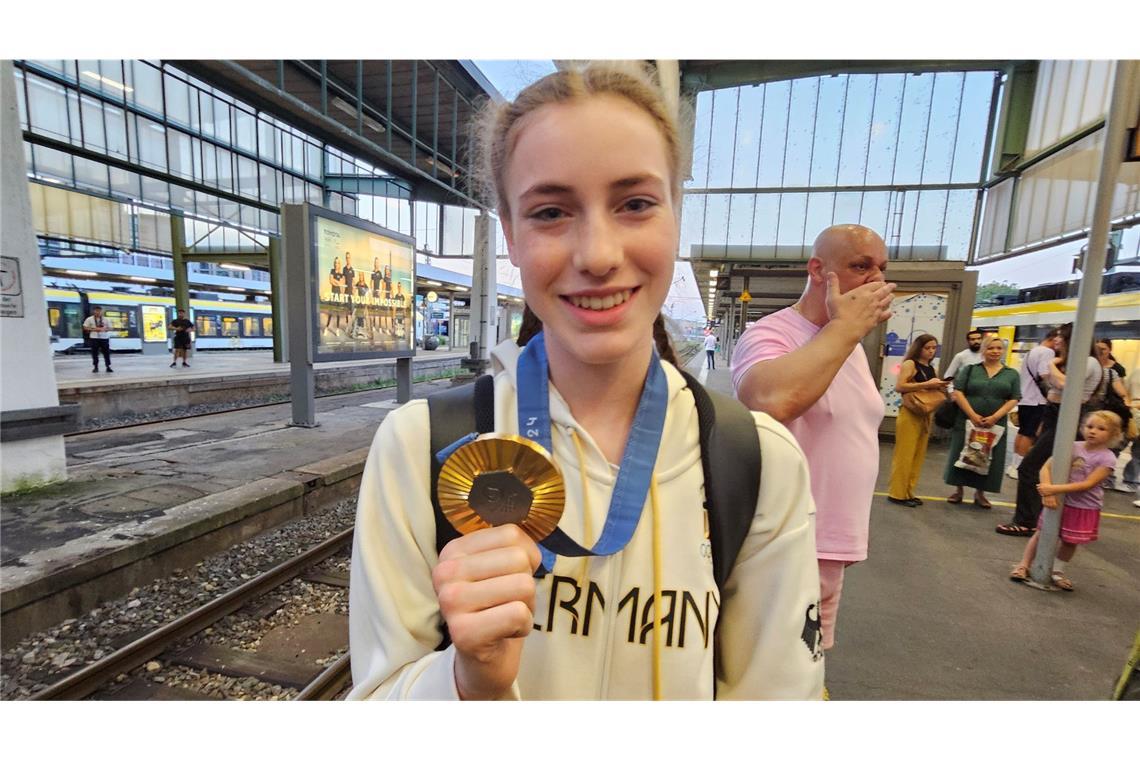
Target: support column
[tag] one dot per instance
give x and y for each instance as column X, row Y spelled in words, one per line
column 484, row 289
column 181, row 278
column 276, row 299
column 298, row 309
column 178, row 247
column 31, row 420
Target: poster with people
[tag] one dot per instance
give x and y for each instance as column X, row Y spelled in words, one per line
column 365, row 290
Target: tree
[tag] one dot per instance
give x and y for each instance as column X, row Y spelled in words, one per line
column 989, row 291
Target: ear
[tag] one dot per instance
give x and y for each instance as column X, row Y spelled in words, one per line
column 815, row 271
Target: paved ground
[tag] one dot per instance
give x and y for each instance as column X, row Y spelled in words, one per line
column 134, row 474
column 931, row 614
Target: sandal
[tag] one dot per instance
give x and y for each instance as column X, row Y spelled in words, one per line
column 983, row 503
column 954, row 498
column 1019, row 574
column 1061, row 582
column 1013, row 529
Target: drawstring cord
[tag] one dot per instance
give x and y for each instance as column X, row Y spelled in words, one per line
column 588, row 541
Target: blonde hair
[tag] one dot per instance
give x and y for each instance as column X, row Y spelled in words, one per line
column 497, row 125
column 1111, row 421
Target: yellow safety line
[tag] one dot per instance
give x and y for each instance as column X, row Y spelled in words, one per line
column 1011, row 505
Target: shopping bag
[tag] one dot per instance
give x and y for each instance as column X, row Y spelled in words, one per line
column 977, row 451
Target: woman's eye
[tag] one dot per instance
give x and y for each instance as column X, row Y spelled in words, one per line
column 548, row 214
column 638, row 204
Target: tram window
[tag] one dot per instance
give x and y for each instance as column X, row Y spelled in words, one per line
column 118, row 320
column 230, row 327
column 249, row 327
column 72, row 321
column 267, row 326
column 205, row 325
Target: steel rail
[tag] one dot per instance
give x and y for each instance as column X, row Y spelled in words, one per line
column 89, row 679
column 329, row 683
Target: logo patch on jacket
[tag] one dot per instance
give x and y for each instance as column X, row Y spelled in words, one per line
column 812, row 635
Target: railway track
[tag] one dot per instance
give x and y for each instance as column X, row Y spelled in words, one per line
column 92, row 678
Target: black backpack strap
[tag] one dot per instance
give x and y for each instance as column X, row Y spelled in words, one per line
column 452, row 414
column 730, row 458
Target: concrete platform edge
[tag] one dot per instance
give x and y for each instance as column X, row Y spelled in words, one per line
column 69, row 580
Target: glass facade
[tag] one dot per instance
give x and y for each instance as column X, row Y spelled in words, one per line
column 118, row 144
column 775, row 163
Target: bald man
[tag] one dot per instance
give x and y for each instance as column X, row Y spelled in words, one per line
column 804, row 365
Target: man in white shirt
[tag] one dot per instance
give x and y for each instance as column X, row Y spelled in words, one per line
column 1034, row 373
column 967, row 356
column 98, row 330
column 710, row 350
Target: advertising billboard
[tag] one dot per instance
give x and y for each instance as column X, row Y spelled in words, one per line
column 154, row 323
column 364, row 281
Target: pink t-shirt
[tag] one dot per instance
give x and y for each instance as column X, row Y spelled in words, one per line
column 1082, row 465
column 839, row 434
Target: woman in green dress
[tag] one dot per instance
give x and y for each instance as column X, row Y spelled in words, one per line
column 985, row 393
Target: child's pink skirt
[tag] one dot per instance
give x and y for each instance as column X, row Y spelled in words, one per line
column 1078, row 526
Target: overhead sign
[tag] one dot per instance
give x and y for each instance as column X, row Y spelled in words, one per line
column 11, row 288
column 746, row 296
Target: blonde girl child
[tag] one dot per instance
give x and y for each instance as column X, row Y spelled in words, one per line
column 1092, row 462
column 584, row 168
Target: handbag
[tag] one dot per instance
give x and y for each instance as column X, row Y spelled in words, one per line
column 947, row 412
column 1108, row 400
column 923, row 402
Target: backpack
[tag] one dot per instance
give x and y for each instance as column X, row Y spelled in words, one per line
column 730, row 459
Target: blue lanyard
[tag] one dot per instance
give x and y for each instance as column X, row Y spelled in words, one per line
column 637, row 462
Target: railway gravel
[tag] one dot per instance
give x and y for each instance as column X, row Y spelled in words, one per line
column 28, row 665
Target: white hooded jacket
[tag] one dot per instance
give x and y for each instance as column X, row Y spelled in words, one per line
column 593, row 620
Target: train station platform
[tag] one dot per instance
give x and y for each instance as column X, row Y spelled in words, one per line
column 147, row 387
column 930, row 615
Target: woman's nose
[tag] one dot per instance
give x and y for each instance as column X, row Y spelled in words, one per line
column 599, row 249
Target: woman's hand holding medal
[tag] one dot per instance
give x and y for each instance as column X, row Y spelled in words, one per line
column 486, row 589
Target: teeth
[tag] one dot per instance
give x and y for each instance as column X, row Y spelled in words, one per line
column 600, row 304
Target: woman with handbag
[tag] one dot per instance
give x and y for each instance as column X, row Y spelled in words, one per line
column 922, row 391
column 985, row 393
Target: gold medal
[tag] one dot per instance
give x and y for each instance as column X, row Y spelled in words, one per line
column 499, row 479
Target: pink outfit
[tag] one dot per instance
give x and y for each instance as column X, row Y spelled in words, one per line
column 830, row 588
column 1081, row 466
column 839, row 434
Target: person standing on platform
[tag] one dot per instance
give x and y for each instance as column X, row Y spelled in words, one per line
column 98, row 331
column 1113, row 390
column 182, row 328
column 972, row 354
column 912, row 427
column 1131, row 475
column 805, row 366
column 985, row 393
column 1033, row 373
column 710, row 350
